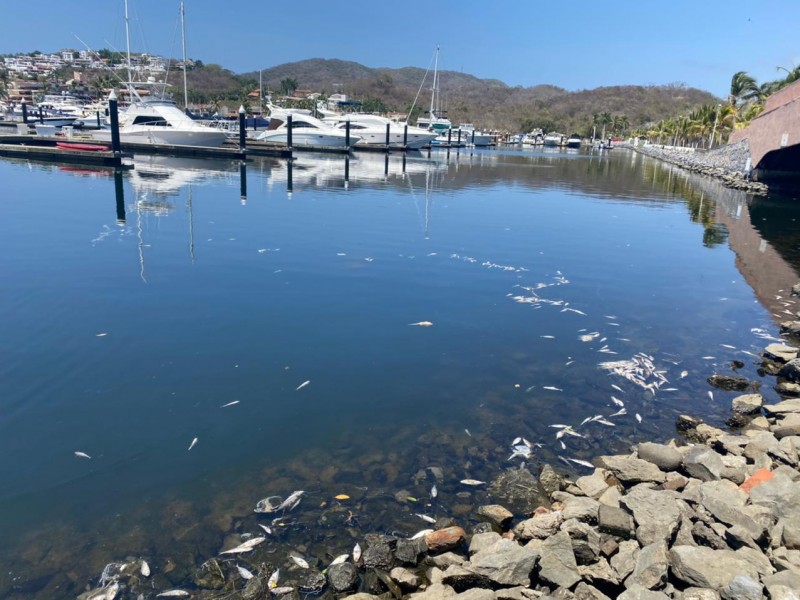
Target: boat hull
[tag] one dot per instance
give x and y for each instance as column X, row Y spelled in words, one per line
column 202, row 137
column 310, row 139
column 377, row 139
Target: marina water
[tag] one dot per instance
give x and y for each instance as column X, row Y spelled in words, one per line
column 439, row 306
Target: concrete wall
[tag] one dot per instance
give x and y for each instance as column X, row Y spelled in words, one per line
column 776, row 128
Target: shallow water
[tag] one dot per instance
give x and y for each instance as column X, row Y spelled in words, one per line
column 123, row 339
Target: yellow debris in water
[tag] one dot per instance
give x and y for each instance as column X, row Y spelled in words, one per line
column 342, row 497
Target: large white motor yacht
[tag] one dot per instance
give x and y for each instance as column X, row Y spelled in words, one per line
column 372, row 131
column 306, row 131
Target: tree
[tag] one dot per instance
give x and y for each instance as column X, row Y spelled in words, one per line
column 743, row 89
column 288, row 86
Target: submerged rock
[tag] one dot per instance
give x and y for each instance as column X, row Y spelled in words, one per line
column 730, row 383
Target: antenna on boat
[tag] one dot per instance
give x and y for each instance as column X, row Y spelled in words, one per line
column 183, row 43
column 128, row 40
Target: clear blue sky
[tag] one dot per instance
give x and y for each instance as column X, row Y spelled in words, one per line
column 575, row 45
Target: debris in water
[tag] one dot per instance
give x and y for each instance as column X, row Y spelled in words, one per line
column 422, row 324
column 265, row 505
column 341, row 497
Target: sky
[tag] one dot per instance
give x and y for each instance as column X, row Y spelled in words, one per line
column 576, row 45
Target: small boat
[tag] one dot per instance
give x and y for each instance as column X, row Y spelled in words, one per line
column 553, row 139
column 574, row 141
column 81, row 147
column 306, row 131
column 479, row 139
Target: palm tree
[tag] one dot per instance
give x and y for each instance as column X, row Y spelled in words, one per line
column 743, row 88
column 288, row 86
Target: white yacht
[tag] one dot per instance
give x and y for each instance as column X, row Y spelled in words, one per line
column 574, row 141
column 372, row 131
column 478, row 139
column 158, row 120
column 553, row 139
column 306, row 131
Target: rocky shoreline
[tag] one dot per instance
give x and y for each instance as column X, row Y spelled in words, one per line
column 727, row 163
column 712, row 514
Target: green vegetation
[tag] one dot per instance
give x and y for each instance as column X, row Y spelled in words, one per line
column 712, row 124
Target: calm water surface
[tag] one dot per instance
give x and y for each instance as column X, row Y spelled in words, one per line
column 134, row 309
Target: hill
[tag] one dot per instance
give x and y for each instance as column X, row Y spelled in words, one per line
column 488, row 103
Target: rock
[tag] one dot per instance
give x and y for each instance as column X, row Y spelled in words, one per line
column 462, row 578
column 550, row 480
column 608, row 547
column 557, row 564
column 742, row 587
column 780, row 495
column 675, row 482
column 480, row 541
column 378, row 554
column 505, row 563
column 405, row 578
column 747, row 404
column 783, row 586
column 610, row 497
column 445, row 539
column 791, row 370
column 435, row 591
column 795, row 289
column 764, row 443
column 685, row 423
column 361, row 596
column 615, row 521
column 409, row 551
column 756, row 479
column 624, row 561
column 780, row 352
column 703, row 463
column 584, row 591
column 585, row 541
column 791, row 328
column 518, row 490
column 541, row 526
column 476, row 594
column 787, row 388
column 656, row 512
column 497, row 515
column 729, row 383
column 726, row 502
column 789, row 425
column 600, row 572
column 342, row 577
column 632, row 470
column 446, row 559
column 638, row 592
column 664, row 457
column 708, row 536
column 704, row 434
column 580, row 508
column 593, row 485
column 651, row 567
column 792, row 405
column 707, row 568
column 516, row 593
column 695, row 593
column 791, row 532
column 786, row 560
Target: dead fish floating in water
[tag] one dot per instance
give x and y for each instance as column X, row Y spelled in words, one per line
column 422, row 324
column 425, row 518
column 472, row 482
column 299, row 560
column 280, row 591
column 272, row 582
column 291, row 501
column 82, row 455
column 552, row 388
column 617, row 401
column 193, row 444
column 302, row 385
column 173, row 594
column 684, row 374
column 420, row 534
column 244, row 573
column 230, row 404
column 520, row 450
column 339, row 559
column 268, row 530
column 434, row 491
column 638, row 417
column 356, row 553
column 145, row 569
column 267, row 505
column 582, row 463
column 247, row 546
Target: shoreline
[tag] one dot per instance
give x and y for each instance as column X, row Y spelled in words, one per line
column 712, row 514
column 729, row 163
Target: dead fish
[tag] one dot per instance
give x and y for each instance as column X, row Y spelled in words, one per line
column 728, row 346
column 670, row 390
column 472, row 482
column 563, row 445
column 425, row 518
column 467, row 432
column 291, row 501
column 620, row 412
column 516, row 441
column 638, row 417
column 82, row 454
column 280, row 591
column 616, row 387
column 684, row 374
column 302, row 385
column 339, row 559
column 605, row 422
column 617, row 401
column 193, row 444
column 548, row 337
column 421, row 533
column 246, row 546
column 145, row 569
column 422, row 324
column 265, row 505
column 710, row 394
column 582, row 463
column 229, row 404
column 356, row 553
column 708, row 357
column 173, row 594
column 268, row 530
column 434, row 491
column 245, row 574
column 272, row 582
column 552, row 388
column 299, row 561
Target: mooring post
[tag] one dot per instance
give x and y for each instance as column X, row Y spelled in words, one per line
column 347, row 133
column 405, row 136
column 387, row 136
column 114, row 116
column 449, row 136
column 473, row 137
column 289, row 131
column 120, row 196
column 98, row 119
column 459, row 137
column 24, row 112
column 289, row 176
column 243, row 182
column 346, row 171
column 242, row 131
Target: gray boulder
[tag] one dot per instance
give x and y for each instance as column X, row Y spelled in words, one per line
column 787, row 406
column 651, row 566
column 791, row 370
column 505, row 563
column 539, row 526
column 593, row 485
column 789, row 425
column 780, row 495
column 694, row 593
column 747, row 404
column 615, row 521
column 707, row 568
column 497, row 515
column 342, row 577
column 657, row 513
column 780, row 352
column 664, row 457
column 481, row 541
column 783, row 586
column 407, row 579
column 638, row 592
column 632, row 470
column 557, row 564
column 584, row 591
column 726, row 502
column 742, row 587
column 435, row 591
column 703, row 463
column 580, row 508
column 624, row 561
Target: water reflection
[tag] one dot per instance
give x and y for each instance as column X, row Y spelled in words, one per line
column 514, row 257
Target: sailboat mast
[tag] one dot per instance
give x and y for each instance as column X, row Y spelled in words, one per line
column 435, row 84
column 128, row 41
column 183, row 41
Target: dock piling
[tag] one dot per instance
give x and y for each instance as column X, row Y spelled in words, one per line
column 120, row 196
column 347, row 133
column 24, row 112
column 243, row 182
column 114, row 116
column 41, row 115
column 289, row 130
column 405, row 135
column 242, row 130
column 387, row 136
